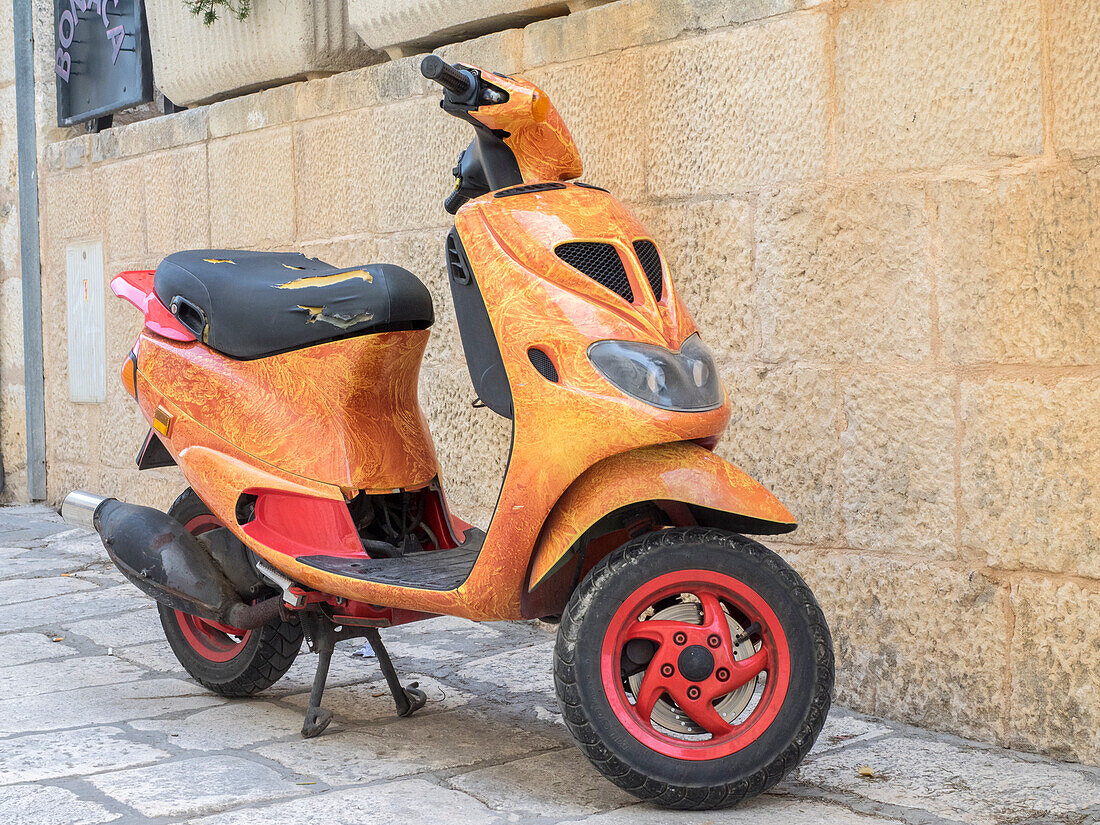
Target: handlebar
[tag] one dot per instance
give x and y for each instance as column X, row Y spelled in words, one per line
column 456, row 81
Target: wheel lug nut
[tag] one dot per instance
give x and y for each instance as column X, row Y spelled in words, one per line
column 714, row 641
column 693, row 692
column 666, row 670
column 722, row 674
column 680, row 638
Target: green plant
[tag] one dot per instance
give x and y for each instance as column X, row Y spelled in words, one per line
column 209, row 8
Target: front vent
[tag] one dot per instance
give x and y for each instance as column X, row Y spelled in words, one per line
column 541, row 361
column 650, row 259
column 600, row 262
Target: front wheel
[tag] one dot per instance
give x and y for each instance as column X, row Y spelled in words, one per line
column 694, row 668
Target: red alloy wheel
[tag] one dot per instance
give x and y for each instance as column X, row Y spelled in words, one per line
column 213, row 641
column 696, row 670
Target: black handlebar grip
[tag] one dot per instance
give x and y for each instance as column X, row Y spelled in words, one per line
column 455, row 81
column 454, row 202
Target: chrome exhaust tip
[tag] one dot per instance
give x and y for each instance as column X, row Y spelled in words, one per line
column 79, row 508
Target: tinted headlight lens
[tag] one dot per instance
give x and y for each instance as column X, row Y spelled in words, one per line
column 684, row 381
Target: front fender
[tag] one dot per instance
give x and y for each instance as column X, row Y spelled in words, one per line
column 681, row 472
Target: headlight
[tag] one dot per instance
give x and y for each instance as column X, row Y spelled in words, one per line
column 684, row 381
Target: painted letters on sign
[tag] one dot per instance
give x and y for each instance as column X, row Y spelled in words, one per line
column 102, row 57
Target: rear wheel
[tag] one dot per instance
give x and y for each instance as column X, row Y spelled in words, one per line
column 694, row 668
column 226, row 660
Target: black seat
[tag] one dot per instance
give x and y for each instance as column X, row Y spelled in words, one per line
column 254, row 304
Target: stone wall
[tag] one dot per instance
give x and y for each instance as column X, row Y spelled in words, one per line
column 886, row 217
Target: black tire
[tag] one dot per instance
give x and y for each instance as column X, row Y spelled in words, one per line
column 261, row 661
column 621, row 756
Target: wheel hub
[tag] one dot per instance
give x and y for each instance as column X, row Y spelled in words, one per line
column 695, row 663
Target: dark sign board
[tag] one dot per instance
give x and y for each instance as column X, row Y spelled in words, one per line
column 103, row 61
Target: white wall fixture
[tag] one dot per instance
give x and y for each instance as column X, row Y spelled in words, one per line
column 279, row 40
column 87, row 329
column 403, row 27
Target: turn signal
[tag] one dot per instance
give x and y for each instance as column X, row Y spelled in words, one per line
column 129, row 375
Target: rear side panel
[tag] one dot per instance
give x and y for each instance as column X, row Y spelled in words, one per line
column 344, row 413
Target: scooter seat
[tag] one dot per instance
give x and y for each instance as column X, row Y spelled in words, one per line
column 254, row 304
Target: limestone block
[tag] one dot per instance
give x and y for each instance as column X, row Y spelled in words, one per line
column 1018, row 281
column 7, row 56
column 591, row 97
column 707, row 246
column 122, row 185
column 411, row 163
column 888, row 616
column 612, row 27
column 1056, row 669
column 370, row 86
column 163, row 132
column 13, row 428
column 923, row 83
column 71, row 210
column 844, row 273
column 194, row 62
column 336, row 192
column 711, row 14
column 500, row 52
column 1075, row 72
column 1030, row 461
column 783, row 432
column 472, row 444
column 252, row 189
column 271, row 107
column 407, row 27
column 9, row 146
column 757, row 112
column 177, row 200
column 898, row 464
column 11, row 327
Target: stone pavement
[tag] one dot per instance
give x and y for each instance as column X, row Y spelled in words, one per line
column 98, row 723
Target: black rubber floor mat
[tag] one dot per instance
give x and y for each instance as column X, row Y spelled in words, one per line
column 431, row 570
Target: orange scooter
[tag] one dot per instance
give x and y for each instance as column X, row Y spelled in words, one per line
column 693, row 666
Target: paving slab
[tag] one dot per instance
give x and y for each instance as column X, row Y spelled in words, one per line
column 434, row 742
column 71, row 753
column 59, row 675
column 956, row 780
column 561, row 784
column 58, row 610
column 407, row 801
column 371, row 701
column 44, row 805
column 14, row 591
column 767, row 809
column 156, row 656
column 126, row 629
column 195, row 786
column 102, row 705
column 234, row 725
column 23, row 648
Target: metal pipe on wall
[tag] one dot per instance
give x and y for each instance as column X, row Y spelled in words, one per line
column 26, row 139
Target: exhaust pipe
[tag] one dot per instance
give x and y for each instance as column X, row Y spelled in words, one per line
column 163, row 560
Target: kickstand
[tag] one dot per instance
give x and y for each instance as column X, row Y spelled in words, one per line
column 408, row 699
column 317, row 718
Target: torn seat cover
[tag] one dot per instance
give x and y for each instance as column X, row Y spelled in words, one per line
column 254, row 304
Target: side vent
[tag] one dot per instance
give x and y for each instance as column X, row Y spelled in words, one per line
column 456, row 267
column 541, row 361
column 650, row 259
column 600, row 262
